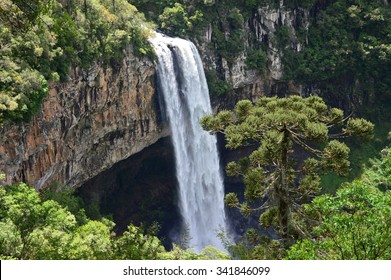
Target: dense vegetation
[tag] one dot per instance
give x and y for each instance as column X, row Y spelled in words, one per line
column 40, row 40
column 355, row 223
column 35, row 226
column 348, row 54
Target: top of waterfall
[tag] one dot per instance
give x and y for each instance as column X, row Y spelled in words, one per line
column 158, row 36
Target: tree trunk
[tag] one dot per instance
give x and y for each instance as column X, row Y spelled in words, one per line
column 283, row 206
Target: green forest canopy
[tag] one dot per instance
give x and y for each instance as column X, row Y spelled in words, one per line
column 34, row 226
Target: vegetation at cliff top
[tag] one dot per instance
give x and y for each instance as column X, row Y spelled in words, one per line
column 347, row 54
column 40, row 40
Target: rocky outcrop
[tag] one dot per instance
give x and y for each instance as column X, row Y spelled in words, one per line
column 266, row 22
column 260, row 28
column 85, row 126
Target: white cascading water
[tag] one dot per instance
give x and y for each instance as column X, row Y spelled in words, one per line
column 201, row 191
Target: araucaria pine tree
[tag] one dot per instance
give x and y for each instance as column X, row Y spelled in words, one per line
column 276, row 183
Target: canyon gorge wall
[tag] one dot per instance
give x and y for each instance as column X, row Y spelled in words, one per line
column 86, row 125
column 107, row 115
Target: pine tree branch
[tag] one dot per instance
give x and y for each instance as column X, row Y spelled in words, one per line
column 297, row 140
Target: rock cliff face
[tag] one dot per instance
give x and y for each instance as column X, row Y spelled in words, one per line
column 264, row 25
column 261, row 28
column 86, row 125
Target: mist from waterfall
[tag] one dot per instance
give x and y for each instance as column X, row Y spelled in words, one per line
column 183, row 85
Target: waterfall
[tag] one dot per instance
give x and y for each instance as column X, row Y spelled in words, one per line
column 186, row 97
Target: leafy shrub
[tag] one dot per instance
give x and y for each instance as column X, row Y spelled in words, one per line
column 256, row 60
column 216, row 85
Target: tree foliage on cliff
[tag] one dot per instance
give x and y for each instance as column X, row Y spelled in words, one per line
column 347, row 42
column 276, row 185
column 176, row 21
column 41, row 39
